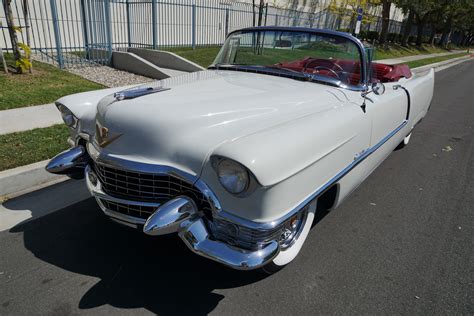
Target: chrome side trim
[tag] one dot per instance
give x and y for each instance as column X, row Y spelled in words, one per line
column 357, row 160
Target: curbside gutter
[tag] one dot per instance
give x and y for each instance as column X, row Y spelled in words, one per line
column 21, row 180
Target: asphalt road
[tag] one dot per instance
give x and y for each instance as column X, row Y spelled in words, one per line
column 401, row 244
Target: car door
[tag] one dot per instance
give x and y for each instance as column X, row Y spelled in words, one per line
column 388, row 111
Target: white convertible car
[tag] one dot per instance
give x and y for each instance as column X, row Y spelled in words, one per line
column 238, row 158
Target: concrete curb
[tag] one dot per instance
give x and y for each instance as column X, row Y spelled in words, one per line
column 441, row 65
column 18, row 181
column 24, row 179
column 405, row 59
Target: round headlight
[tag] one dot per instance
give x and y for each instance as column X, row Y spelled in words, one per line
column 68, row 117
column 233, row 177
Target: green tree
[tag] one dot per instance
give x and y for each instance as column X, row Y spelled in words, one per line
column 456, row 15
column 405, row 6
column 386, row 5
column 12, row 29
column 347, row 10
column 22, row 63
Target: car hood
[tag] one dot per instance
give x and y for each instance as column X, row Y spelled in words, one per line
column 182, row 126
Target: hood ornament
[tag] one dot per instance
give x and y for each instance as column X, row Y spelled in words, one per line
column 137, row 92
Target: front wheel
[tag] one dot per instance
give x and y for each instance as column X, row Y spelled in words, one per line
column 290, row 250
column 404, row 142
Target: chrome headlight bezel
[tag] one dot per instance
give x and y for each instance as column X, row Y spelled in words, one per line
column 233, row 176
column 68, row 117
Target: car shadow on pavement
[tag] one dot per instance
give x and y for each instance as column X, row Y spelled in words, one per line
column 135, row 270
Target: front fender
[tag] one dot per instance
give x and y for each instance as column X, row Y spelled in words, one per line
column 282, row 151
column 84, row 106
column 291, row 161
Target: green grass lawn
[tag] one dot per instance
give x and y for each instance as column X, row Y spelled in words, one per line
column 19, row 149
column 203, row 56
column 427, row 61
column 396, row 50
column 45, row 85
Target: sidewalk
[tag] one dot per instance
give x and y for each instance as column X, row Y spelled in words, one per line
column 23, row 119
column 27, row 118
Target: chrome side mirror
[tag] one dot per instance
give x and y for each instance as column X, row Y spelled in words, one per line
column 378, row 88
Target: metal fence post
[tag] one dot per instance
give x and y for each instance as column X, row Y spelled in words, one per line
column 153, row 18
column 276, row 19
column 226, row 21
column 266, row 13
column 57, row 35
column 193, row 30
column 85, row 32
column 108, row 29
column 129, row 31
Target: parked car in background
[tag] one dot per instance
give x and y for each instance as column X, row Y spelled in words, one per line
column 238, row 158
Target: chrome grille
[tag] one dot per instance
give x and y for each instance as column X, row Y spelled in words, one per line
column 139, row 211
column 146, row 187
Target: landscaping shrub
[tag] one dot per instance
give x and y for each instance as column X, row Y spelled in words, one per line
column 362, row 35
column 393, row 37
column 372, row 35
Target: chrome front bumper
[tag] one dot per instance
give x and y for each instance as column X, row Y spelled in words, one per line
column 181, row 215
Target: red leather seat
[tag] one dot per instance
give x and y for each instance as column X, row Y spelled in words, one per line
column 380, row 72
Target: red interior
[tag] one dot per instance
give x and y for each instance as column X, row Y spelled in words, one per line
column 348, row 71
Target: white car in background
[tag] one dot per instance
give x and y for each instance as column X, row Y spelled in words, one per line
column 238, row 158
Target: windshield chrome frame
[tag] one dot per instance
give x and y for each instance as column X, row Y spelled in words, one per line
column 362, row 86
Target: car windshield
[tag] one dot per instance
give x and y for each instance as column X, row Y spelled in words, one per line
column 328, row 57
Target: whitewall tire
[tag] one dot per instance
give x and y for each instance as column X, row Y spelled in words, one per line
column 288, row 254
column 404, row 142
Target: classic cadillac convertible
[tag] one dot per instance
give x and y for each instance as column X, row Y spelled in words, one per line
column 237, row 159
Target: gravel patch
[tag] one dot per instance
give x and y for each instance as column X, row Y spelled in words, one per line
column 108, row 76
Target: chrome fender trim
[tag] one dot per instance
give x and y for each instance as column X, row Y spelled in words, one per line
column 71, row 162
column 169, row 217
column 197, row 238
